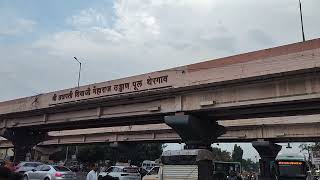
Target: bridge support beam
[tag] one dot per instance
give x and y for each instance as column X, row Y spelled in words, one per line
column 268, row 152
column 23, row 141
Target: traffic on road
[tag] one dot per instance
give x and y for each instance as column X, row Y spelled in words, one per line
column 181, row 164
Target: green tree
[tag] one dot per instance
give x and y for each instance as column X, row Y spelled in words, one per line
column 309, row 148
column 139, row 152
column 92, row 153
column 136, row 152
column 249, row 165
column 61, row 155
column 237, row 153
column 219, row 155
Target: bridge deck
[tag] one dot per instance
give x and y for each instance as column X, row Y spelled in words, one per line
column 293, row 57
column 279, row 81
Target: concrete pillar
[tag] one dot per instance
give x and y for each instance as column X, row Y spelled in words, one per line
column 268, row 152
column 23, row 140
column 197, row 133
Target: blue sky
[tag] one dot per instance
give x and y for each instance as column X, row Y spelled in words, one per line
column 119, row 38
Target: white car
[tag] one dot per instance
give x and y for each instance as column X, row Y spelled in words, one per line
column 122, row 172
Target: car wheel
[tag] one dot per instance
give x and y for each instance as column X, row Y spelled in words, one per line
column 46, row 178
column 100, row 178
column 25, row 177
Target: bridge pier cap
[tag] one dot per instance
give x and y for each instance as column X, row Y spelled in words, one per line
column 196, row 132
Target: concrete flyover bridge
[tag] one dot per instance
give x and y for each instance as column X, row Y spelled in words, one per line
column 281, row 81
column 275, row 129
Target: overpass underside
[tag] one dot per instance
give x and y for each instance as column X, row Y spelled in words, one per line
column 277, row 130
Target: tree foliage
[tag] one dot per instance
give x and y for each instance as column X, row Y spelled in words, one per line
column 136, row 152
column 237, row 153
column 220, row 155
column 309, row 147
column 249, row 165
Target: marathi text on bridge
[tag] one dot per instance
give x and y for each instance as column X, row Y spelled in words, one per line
column 110, row 89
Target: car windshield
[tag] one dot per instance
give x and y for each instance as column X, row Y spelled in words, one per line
column 61, row 168
column 154, row 171
column 31, row 164
column 130, row 170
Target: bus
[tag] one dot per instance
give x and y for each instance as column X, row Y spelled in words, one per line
column 224, row 168
column 291, row 166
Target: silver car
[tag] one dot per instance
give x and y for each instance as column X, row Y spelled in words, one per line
column 26, row 166
column 49, row 172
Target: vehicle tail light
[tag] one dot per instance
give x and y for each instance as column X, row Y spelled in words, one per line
column 57, row 174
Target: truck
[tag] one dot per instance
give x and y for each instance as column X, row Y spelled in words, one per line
column 183, row 165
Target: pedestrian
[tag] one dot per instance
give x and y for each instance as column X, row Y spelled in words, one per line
column 233, row 176
column 81, row 167
column 92, row 175
column 102, row 168
column 239, row 177
column 9, row 165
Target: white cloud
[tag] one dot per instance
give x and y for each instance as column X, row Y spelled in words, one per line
column 144, row 30
column 15, row 26
column 87, row 17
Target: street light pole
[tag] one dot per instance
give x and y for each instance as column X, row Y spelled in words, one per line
column 79, row 70
column 301, row 20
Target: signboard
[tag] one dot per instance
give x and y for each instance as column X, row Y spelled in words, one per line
column 74, row 157
column 315, row 156
column 289, row 163
column 134, row 84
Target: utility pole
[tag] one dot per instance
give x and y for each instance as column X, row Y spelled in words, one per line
column 301, row 20
column 67, row 152
column 79, row 70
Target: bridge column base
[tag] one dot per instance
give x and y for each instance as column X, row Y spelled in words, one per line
column 268, row 152
column 23, row 140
